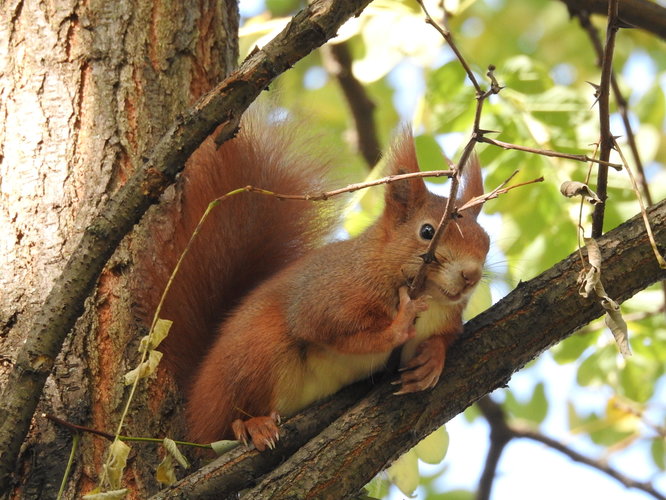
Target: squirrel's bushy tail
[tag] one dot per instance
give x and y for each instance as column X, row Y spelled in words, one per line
column 246, row 239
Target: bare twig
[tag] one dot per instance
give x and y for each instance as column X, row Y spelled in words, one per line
column 416, row 286
column 446, row 34
column 606, row 138
column 347, row 189
column 548, row 152
column 646, row 220
column 501, row 189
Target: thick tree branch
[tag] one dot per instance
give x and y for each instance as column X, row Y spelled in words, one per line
column 535, row 316
column 643, row 14
column 308, row 30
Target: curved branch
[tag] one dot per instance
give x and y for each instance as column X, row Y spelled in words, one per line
column 643, row 14
column 532, row 318
column 501, row 433
column 224, row 105
column 595, row 464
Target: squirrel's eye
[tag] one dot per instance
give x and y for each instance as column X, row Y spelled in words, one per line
column 427, row 231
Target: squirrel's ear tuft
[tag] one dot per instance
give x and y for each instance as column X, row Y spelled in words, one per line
column 404, row 197
column 472, row 184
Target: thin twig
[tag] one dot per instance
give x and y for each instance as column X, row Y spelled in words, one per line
column 606, row 138
column 416, row 286
column 548, row 152
column 501, row 189
column 646, row 220
column 351, row 187
column 446, row 34
column 110, row 437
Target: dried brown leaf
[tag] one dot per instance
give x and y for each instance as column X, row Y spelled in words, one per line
column 575, row 188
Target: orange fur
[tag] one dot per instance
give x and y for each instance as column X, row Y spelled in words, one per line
column 329, row 316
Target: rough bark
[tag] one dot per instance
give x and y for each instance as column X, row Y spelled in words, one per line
column 339, row 459
column 87, row 89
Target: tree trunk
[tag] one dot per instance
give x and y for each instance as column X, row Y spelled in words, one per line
column 87, row 89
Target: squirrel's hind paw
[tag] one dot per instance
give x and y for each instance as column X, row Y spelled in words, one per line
column 263, row 431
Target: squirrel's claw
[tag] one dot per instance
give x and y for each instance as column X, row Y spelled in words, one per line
column 423, row 370
column 263, row 431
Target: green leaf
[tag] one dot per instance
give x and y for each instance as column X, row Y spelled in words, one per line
column 534, row 410
column 658, row 450
column 595, row 369
column 430, row 156
column 404, row 473
column 633, row 377
column 432, row 449
column 221, row 447
column 524, row 74
column 377, row 488
column 572, row 348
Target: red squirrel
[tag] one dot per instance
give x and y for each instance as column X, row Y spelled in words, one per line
column 268, row 320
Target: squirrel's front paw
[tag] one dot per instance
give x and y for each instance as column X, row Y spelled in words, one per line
column 263, row 431
column 408, row 310
column 423, row 370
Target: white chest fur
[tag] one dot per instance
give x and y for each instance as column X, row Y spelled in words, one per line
column 326, row 371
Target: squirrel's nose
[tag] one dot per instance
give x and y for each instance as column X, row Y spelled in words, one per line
column 471, row 274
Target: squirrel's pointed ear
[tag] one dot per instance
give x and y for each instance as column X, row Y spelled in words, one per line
column 472, row 184
column 406, row 196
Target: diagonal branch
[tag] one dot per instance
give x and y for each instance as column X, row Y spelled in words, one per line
column 224, row 105
column 532, row 318
column 643, row 14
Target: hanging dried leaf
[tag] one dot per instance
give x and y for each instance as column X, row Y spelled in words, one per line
column 588, row 281
column 592, row 281
column 145, row 369
column 165, row 473
column 157, row 335
column 118, row 451
column 575, row 188
column 171, row 447
column 615, row 322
